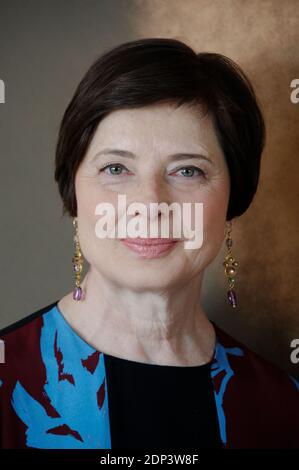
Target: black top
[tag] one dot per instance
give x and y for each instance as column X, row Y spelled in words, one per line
column 161, row 406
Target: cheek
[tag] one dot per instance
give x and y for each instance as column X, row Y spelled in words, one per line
column 215, row 203
column 88, row 197
column 214, row 219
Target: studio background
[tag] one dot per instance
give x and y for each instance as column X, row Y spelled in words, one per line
column 46, row 47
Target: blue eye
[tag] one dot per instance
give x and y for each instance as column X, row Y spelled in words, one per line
column 116, row 169
column 112, row 166
column 191, row 170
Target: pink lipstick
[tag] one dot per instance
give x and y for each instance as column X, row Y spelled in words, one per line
column 150, row 247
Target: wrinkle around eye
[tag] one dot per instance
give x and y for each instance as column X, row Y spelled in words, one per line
column 108, row 166
column 201, row 173
column 104, row 171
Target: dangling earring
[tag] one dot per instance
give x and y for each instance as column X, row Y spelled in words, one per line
column 77, row 263
column 230, row 265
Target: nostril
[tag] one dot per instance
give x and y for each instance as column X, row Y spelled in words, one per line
column 159, row 212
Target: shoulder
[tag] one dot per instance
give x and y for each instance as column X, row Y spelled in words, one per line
column 21, row 355
column 22, row 375
column 259, row 400
column 29, row 321
column 252, row 366
column 21, row 338
column 26, row 321
column 254, row 388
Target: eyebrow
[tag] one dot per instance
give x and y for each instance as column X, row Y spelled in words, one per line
column 128, row 154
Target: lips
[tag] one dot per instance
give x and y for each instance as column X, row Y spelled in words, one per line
column 149, row 241
column 150, row 247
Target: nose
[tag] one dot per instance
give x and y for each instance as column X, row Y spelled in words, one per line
column 152, row 191
column 159, row 221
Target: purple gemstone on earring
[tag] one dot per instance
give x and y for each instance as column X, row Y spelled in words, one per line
column 231, row 295
column 77, row 293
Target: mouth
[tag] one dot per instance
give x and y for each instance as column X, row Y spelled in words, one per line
column 150, row 247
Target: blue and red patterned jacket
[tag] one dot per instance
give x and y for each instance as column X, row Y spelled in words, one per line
column 53, row 391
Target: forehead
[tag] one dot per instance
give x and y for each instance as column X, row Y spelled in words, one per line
column 163, row 127
column 152, row 117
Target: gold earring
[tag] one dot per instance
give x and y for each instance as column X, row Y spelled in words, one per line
column 77, row 263
column 230, row 265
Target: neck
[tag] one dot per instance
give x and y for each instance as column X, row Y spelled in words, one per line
column 165, row 327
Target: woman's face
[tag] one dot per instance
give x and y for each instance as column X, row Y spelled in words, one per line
column 153, row 134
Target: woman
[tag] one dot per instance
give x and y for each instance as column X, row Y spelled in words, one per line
column 129, row 359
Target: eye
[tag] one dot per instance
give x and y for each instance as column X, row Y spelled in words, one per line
column 116, row 169
column 191, row 171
